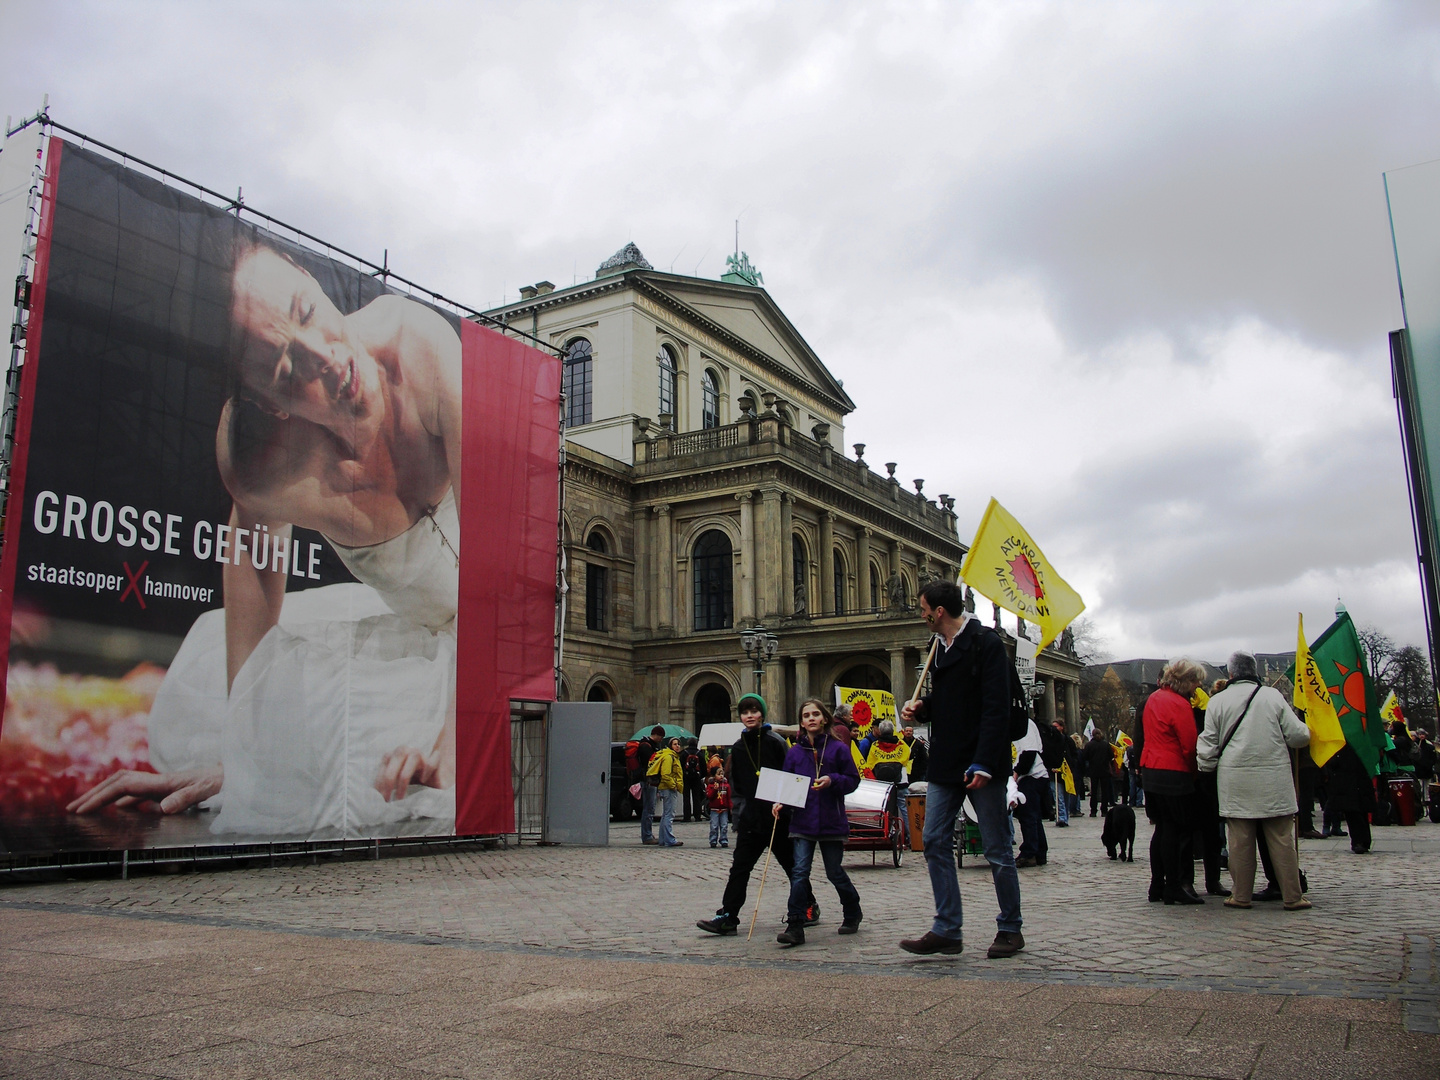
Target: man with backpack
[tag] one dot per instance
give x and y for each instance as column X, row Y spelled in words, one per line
column 975, row 700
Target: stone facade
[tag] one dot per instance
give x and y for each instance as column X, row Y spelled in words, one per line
column 734, row 508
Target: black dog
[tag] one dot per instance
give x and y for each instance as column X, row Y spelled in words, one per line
column 1119, row 832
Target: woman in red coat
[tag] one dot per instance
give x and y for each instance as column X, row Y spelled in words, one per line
column 1168, row 767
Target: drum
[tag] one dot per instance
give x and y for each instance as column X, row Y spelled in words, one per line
column 872, row 795
column 1405, row 801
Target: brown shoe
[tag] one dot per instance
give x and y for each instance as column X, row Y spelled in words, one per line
column 1299, row 905
column 1006, row 943
column 932, row 943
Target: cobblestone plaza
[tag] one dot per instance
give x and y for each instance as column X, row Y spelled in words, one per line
column 533, row 961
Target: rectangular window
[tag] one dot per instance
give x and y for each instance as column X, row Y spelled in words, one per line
column 597, row 597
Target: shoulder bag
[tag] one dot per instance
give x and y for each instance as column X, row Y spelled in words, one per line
column 1235, row 727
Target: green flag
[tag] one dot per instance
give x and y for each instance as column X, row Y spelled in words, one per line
column 1342, row 664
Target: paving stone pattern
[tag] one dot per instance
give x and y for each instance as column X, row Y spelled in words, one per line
column 578, row 962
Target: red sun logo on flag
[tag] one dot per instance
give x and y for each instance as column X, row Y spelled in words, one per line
column 1351, row 693
column 1026, row 579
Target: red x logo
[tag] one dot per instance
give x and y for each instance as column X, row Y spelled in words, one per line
column 134, row 583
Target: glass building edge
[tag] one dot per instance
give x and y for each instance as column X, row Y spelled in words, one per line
column 1415, row 365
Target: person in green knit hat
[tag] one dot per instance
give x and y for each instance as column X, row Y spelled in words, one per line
column 754, row 823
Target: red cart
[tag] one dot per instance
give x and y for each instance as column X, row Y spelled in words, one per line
column 874, row 814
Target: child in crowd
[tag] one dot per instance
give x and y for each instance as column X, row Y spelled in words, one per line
column 717, row 794
column 821, row 822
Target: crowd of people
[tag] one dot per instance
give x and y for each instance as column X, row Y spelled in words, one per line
column 1221, row 774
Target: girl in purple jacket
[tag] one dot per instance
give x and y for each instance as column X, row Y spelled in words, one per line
column 822, row 821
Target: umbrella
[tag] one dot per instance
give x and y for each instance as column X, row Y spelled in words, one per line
column 672, row 731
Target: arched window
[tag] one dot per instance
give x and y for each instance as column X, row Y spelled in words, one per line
column 598, row 692
column 597, row 597
column 877, row 582
column 666, row 362
column 597, row 586
column 710, row 566
column 577, row 382
column 797, row 557
column 709, row 401
column 839, row 583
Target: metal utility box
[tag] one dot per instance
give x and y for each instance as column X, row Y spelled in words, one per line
column 577, row 773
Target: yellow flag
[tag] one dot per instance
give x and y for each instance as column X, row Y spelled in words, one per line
column 1326, row 736
column 1004, row 565
column 1390, row 711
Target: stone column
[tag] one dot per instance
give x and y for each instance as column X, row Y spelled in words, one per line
column 1048, row 708
column 827, row 562
column 767, row 557
column 642, row 570
column 745, row 608
column 1072, row 707
column 662, row 695
column 899, row 675
column 665, row 570
column 787, row 555
column 862, row 556
column 802, row 678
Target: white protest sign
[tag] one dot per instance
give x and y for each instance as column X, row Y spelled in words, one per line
column 1025, row 651
column 720, row 734
column 783, row 787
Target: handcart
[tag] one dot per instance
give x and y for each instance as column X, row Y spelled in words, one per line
column 874, row 814
column 967, row 834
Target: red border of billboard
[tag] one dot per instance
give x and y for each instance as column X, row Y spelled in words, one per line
column 510, row 506
column 15, row 504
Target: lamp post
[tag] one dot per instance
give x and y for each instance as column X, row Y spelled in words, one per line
column 760, row 646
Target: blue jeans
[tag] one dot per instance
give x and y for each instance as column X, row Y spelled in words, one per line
column 832, row 851
column 1062, row 804
column 1137, row 793
column 668, row 799
column 720, row 828
column 942, row 807
column 647, row 810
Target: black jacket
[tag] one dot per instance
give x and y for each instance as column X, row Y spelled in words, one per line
column 1350, row 786
column 1099, row 759
column 919, row 759
column 969, row 707
column 753, row 751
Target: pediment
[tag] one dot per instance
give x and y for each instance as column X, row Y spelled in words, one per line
column 750, row 315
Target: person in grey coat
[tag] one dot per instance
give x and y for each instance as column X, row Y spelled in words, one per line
column 1249, row 732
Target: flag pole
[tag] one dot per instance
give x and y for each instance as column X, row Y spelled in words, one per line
column 761, row 894
column 929, row 659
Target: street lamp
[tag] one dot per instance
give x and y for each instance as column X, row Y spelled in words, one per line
column 760, row 645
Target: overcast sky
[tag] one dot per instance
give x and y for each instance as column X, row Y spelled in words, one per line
column 1126, row 267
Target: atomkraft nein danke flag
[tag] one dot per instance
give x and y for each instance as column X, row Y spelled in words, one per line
column 1312, row 696
column 868, row 706
column 1006, row 566
column 1341, row 660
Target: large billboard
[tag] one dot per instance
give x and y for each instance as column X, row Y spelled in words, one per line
column 280, row 544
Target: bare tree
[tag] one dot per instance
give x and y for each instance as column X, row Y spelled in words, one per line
column 1089, row 642
column 1410, row 679
column 1380, row 652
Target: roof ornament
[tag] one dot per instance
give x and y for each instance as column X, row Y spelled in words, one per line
column 627, row 258
column 739, row 271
